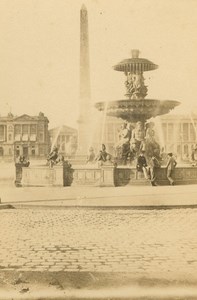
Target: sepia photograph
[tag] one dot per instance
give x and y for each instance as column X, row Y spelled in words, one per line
column 98, row 150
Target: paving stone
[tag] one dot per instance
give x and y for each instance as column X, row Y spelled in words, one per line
column 157, row 243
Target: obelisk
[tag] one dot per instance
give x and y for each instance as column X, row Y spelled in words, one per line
column 85, row 96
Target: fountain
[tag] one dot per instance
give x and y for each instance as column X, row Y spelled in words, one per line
column 136, row 109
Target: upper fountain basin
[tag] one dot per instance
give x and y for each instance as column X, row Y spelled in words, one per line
column 135, row 65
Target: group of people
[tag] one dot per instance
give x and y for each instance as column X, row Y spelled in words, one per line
column 149, row 170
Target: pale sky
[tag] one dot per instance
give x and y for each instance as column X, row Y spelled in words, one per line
column 39, row 52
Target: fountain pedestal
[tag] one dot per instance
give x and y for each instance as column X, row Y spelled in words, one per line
column 107, row 175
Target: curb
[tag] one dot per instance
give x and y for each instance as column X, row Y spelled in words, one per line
column 6, row 206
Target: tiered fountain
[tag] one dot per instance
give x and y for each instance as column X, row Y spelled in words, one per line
column 136, row 109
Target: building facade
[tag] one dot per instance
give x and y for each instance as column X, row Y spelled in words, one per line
column 24, row 135
column 65, row 139
column 179, row 134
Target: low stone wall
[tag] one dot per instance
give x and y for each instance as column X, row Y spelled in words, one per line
column 97, row 176
column 42, row 176
column 181, row 175
column 65, row 176
column 93, row 176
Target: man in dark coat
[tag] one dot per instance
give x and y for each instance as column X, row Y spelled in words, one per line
column 142, row 164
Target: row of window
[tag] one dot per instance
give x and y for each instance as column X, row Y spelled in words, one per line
column 24, row 151
column 180, row 150
column 24, row 137
column 182, row 132
column 18, row 129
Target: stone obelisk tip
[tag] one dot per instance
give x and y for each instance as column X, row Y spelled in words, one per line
column 83, row 7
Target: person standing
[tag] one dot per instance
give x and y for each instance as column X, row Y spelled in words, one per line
column 171, row 164
column 142, row 164
column 154, row 164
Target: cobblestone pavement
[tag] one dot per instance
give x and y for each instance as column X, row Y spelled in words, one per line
column 152, row 243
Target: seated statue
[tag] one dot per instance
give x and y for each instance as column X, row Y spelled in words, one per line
column 122, row 148
column 102, row 155
column 60, row 160
column 52, row 157
column 138, row 136
column 152, row 148
column 124, row 135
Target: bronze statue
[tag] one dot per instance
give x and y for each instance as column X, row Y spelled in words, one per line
column 135, row 86
column 52, row 157
column 123, row 146
column 138, row 135
column 102, row 156
column 152, row 148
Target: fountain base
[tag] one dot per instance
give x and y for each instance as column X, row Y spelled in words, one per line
column 94, row 175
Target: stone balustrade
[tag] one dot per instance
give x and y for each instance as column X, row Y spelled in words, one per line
column 94, row 175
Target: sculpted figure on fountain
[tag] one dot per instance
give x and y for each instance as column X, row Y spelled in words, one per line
column 104, row 158
column 102, row 155
column 123, row 146
column 135, row 86
column 133, row 142
column 138, row 136
column 54, row 158
column 152, row 148
column 125, row 134
column 53, row 155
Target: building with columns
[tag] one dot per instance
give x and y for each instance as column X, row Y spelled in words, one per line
column 24, row 135
column 179, row 134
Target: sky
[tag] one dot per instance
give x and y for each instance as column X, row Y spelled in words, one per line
column 39, row 53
